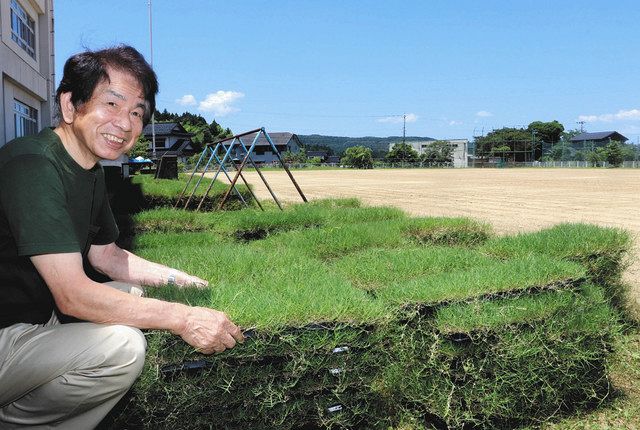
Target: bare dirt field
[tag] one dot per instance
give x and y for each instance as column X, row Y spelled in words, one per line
column 511, row 200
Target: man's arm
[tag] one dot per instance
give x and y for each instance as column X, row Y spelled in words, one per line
column 76, row 295
column 122, row 265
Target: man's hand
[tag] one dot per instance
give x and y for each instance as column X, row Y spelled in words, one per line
column 209, row 330
column 182, row 279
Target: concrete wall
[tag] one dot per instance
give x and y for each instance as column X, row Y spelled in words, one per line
column 460, row 149
column 460, row 152
column 23, row 78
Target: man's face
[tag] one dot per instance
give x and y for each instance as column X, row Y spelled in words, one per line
column 108, row 125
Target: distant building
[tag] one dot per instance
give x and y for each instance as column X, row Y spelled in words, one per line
column 171, row 139
column 596, row 140
column 263, row 153
column 322, row 155
column 26, row 67
column 460, row 149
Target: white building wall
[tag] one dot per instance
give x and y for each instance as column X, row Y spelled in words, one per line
column 460, row 149
column 23, row 78
column 460, row 152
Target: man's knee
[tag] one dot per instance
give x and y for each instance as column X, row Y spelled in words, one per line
column 125, row 349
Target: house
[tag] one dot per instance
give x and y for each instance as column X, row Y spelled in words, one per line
column 460, row 149
column 596, row 140
column 263, row 152
column 26, row 67
column 171, row 139
column 322, row 155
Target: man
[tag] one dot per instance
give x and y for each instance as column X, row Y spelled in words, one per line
column 54, row 217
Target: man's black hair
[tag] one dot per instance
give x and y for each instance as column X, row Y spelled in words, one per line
column 84, row 71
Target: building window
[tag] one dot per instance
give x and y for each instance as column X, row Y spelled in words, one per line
column 26, row 119
column 23, row 29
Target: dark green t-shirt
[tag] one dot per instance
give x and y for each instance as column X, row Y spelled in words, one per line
column 48, row 204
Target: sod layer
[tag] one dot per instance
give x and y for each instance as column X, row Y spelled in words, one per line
column 361, row 317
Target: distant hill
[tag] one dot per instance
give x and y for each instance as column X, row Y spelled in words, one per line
column 379, row 145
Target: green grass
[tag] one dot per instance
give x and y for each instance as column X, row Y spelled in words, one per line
column 511, row 276
column 442, row 322
column 155, row 193
column 602, row 251
column 448, row 231
column 323, row 213
column 621, row 410
column 482, row 316
column 171, row 188
column 567, row 241
column 374, row 268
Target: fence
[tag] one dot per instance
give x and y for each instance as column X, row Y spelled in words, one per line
column 571, row 164
column 378, row 165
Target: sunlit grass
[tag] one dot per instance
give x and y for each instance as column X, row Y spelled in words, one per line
column 443, row 323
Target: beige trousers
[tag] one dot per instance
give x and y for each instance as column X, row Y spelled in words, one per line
column 66, row 376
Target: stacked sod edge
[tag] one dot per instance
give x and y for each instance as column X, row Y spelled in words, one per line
column 360, row 317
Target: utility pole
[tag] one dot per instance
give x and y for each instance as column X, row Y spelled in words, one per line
column 404, row 127
column 533, row 145
column 581, row 124
column 153, row 119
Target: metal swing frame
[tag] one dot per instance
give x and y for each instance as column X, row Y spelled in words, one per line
column 227, row 146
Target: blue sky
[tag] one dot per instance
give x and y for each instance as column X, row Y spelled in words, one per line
column 456, row 69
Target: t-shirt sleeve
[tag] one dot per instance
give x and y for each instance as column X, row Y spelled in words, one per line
column 33, row 197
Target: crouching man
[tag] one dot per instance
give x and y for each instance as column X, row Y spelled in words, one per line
column 55, row 217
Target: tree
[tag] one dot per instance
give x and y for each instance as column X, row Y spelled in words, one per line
column 165, row 116
column 549, row 132
column 358, row 156
column 525, row 144
column 295, row 157
column 500, row 150
column 569, row 134
column 140, row 148
column 402, row 153
column 596, row 157
column 630, row 152
column 438, row 152
column 203, row 133
column 561, row 151
column 217, row 132
column 614, row 154
column 515, row 138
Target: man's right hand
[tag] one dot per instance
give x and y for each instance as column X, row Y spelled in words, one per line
column 208, row 330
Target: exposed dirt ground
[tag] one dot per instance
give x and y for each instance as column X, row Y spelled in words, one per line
column 511, row 200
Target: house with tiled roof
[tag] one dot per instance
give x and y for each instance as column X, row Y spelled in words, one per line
column 597, row 139
column 263, row 152
column 171, row 138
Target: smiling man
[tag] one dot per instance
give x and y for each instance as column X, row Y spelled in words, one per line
column 54, row 220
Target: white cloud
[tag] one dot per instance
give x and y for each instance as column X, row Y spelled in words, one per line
column 484, row 114
column 187, row 100
column 621, row 115
column 220, row 102
column 396, row 119
column 454, row 122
